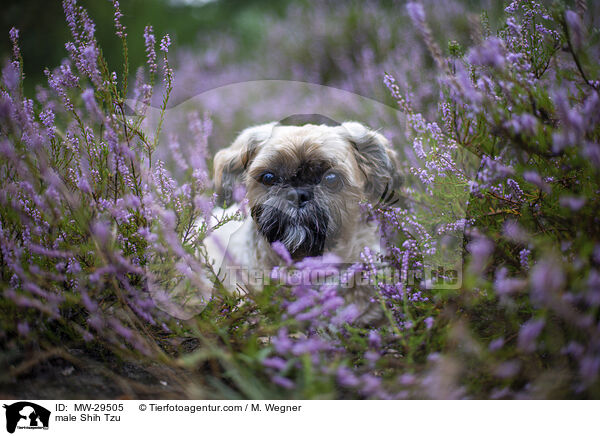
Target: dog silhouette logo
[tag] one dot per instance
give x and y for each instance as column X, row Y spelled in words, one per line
column 26, row 415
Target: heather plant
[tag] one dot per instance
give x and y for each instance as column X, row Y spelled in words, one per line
column 105, row 203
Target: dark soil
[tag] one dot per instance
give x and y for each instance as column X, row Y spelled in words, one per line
column 81, row 374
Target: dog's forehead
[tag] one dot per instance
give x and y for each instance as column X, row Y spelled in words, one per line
column 298, row 144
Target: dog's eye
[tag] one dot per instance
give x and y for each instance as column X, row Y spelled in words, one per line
column 332, row 180
column 268, row 179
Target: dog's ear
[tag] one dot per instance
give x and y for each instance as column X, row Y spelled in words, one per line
column 230, row 163
column 376, row 160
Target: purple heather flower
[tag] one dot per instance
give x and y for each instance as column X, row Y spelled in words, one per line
column 10, row 77
column 546, row 278
column 535, row 179
column 374, row 339
column 13, row 33
column 150, row 42
column 407, row 379
column 239, row 193
column 308, row 346
column 300, row 304
column 593, row 283
column 90, row 103
column 480, row 248
column 346, row 377
column 507, row 369
column 489, row 53
column 429, row 322
column 101, row 231
column 70, row 9
column 512, row 230
column 392, row 86
column 512, row 7
column 89, row 304
column 575, row 28
column 23, row 328
column 372, row 356
column 496, row 344
column 282, row 343
column 47, row 119
column 416, row 13
column 117, row 19
column 591, row 151
column 274, row 362
column 572, row 202
column 523, row 124
column 589, row 367
column 332, row 303
column 505, row 285
column 282, row 252
column 371, row 385
column 516, row 189
column 574, row 349
column 165, row 42
column 529, row 333
column 96, row 322
column 524, row 258
column 283, row 382
column 346, row 315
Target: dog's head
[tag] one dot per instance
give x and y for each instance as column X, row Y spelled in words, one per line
column 304, row 183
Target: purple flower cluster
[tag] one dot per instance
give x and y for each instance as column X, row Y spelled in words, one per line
column 102, row 219
column 80, row 214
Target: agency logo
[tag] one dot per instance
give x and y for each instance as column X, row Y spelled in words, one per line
column 26, row 415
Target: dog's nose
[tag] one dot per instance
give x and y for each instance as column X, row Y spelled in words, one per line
column 298, row 196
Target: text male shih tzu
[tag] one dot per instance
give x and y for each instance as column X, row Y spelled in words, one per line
column 304, row 185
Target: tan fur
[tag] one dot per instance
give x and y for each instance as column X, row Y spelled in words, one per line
column 362, row 156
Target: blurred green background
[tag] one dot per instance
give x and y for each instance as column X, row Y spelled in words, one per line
column 44, row 30
column 193, row 24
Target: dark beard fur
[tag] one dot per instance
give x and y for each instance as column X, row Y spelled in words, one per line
column 304, row 234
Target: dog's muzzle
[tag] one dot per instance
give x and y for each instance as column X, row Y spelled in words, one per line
column 296, row 221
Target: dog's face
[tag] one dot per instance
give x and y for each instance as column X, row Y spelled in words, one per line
column 304, row 184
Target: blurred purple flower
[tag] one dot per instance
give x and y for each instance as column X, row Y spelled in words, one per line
column 23, row 328
column 309, row 346
column 546, row 279
column 480, row 248
column 374, row 339
column 489, row 53
column 572, row 202
column 282, row 343
column 282, row 252
column 346, row 377
column 416, row 13
column 528, row 334
column 283, row 382
column 274, row 362
column 575, row 28
column 239, row 193
column 514, row 231
column 346, row 315
column 496, row 344
column 589, row 367
column 534, row 178
column 507, row 369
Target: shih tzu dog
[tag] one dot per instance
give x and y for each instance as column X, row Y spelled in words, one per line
column 304, row 185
